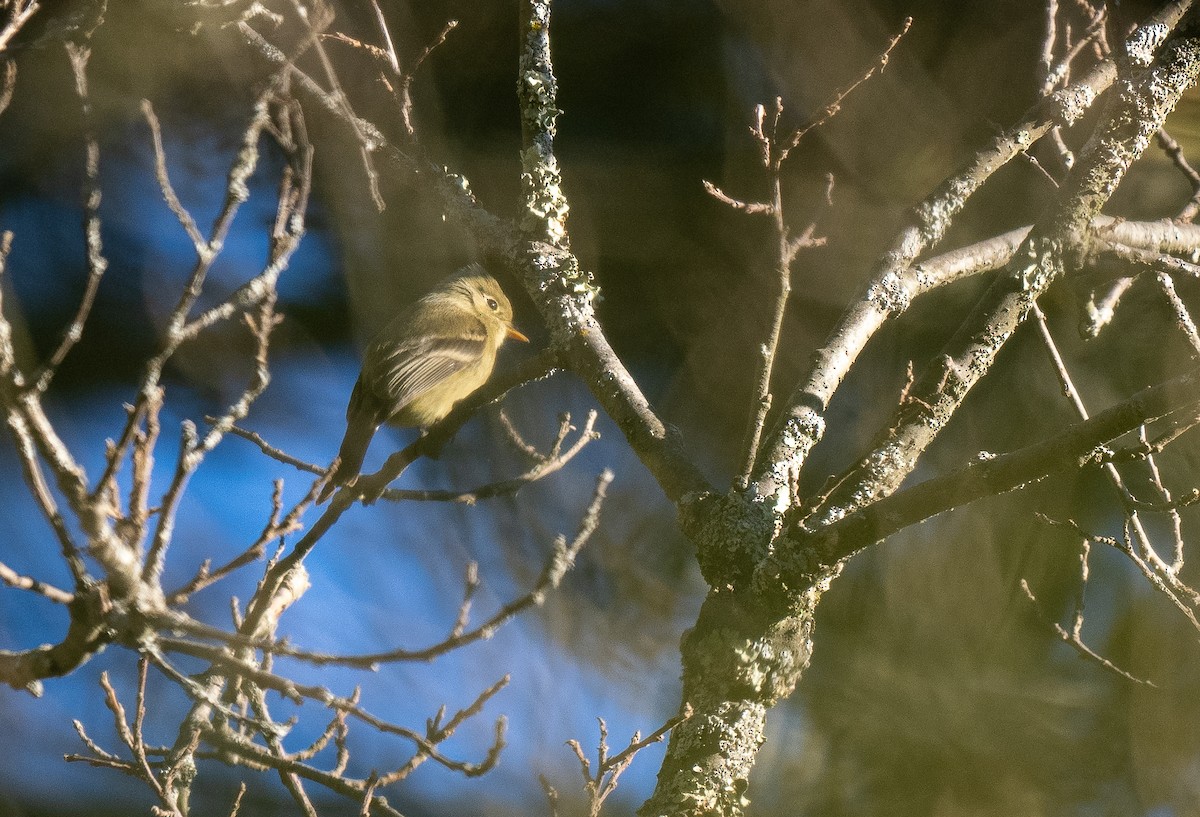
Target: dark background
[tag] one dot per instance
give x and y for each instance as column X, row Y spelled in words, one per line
column 936, row 687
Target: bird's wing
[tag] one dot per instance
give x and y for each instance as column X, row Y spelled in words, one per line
column 410, row 369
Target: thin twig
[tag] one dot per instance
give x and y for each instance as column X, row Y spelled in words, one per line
column 1146, row 258
column 507, row 487
column 230, row 742
column 1099, row 311
column 270, row 450
column 404, row 93
column 518, row 441
column 388, row 48
column 316, row 25
column 603, row 782
column 31, row 470
column 1175, row 153
column 834, row 105
column 1168, row 504
column 557, row 564
column 275, row 528
column 96, row 262
column 1048, row 40
column 1074, row 639
column 164, row 181
column 298, row 692
column 1148, row 554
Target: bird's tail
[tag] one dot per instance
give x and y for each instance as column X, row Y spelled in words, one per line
column 360, row 428
column 350, row 457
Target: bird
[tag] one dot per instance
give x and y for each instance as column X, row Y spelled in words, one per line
column 429, row 357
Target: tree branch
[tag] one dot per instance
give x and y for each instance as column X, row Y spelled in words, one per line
column 1130, row 119
column 802, row 423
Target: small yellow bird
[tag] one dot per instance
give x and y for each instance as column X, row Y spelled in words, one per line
column 430, row 356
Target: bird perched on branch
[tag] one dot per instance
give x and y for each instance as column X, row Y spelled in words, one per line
column 431, row 355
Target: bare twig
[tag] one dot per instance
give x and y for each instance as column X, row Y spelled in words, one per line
column 96, row 262
column 164, row 180
column 406, row 79
column 388, row 48
column 237, row 800
column 1166, row 503
column 270, row 450
column 774, row 156
column 436, row 732
column 834, row 105
column 560, row 560
column 316, row 24
column 298, row 692
column 753, row 208
column 470, row 585
column 1183, row 318
column 1175, row 154
column 1047, row 57
column 544, row 466
column 276, row 527
column 1148, row 554
column 178, row 329
column 1074, row 638
column 518, row 441
column 31, row 470
column 132, row 736
column 1145, row 258
column 985, row 476
column 1099, row 311
column 603, row 782
column 775, row 149
column 551, row 464
column 286, row 235
column 229, row 741
column 802, row 424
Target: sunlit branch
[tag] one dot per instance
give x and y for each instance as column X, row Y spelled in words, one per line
column 19, row 581
column 802, row 423
column 1144, row 100
column 986, row 476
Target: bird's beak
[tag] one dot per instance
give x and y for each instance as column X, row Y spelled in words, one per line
column 513, row 333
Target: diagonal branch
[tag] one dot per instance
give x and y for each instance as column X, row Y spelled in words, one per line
column 802, row 423
column 986, row 476
column 1131, row 118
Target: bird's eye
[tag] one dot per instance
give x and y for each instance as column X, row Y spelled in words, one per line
column 491, row 302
